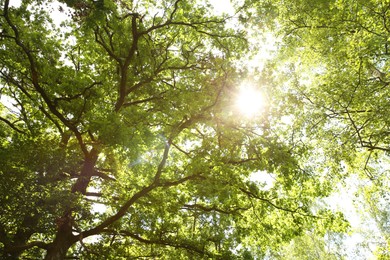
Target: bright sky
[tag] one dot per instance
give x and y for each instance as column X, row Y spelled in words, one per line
column 250, row 101
column 222, row 6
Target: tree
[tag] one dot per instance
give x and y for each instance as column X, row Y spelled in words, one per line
column 128, row 105
column 310, row 246
column 338, row 67
column 335, row 78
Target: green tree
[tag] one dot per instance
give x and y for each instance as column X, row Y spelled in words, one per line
column 336, row 57
column 311, row 247
column 335, row 80
column 128, row 105
column 375, row 199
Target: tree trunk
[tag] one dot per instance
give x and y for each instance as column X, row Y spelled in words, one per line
column 64, row 239
column 86, row 172
column 59, row 248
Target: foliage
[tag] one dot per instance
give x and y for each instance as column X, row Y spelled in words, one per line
column 128, row 105
column 338, row 72
column 311, row 247
column 333, row 69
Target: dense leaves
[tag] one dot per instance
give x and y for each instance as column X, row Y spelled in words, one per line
column 120, row 140
column 335, row 72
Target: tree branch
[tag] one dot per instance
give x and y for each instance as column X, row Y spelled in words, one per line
column 160, row 242
column 103, row 176
column 163, row 162
column 35, row 80
column 20, row 248
column 294, row 211
column 123, row 69
column 213, row 208
column 10, row 124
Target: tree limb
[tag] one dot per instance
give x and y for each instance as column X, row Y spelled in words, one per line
column 20, row 248
column 161, row 242
column 296, row 210
column 10, row 124
column 213, row 208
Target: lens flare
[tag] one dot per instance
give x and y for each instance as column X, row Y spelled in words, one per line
column 250, row 101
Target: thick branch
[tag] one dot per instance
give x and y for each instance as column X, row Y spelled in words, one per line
column 93, row 194
column 104, row 176
column 124, row 67
column 374, row 147
column 182, row 180
column 19, row 248
column 12, row 125
column 142, row 193
column 213, row 208
column 141, row 101
column 121, row 212
column 162, row 242
column 68, row 99
column 163, row 162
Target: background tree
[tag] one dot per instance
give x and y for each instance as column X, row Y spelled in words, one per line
column 334, row 78
column 311, row 246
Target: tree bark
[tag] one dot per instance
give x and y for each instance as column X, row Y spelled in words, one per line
column 86, row 172
column 64, row 239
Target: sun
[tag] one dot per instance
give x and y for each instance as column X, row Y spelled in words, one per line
column 250, row 101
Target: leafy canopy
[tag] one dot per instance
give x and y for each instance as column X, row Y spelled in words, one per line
column 119, row 139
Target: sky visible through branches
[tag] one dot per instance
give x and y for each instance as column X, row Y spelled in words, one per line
column 248, row 103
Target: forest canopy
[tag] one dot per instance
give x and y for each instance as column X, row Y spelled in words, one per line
column 174, row 130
